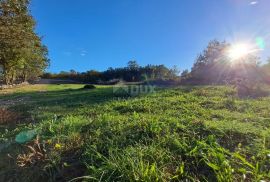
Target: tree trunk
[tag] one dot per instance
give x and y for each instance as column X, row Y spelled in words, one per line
column 24, row 77
column 13, row 77
column 6, row 77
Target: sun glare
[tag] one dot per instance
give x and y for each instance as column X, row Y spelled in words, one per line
column 238, row 51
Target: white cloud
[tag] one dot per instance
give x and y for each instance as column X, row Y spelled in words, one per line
column 253, row 3
column 83, row 53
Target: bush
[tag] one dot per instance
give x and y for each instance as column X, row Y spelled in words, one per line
column 248, row 88
column 89, row 87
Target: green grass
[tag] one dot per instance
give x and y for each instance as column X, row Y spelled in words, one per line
column 174, row 134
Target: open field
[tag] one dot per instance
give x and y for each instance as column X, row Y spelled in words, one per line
column 174, row 134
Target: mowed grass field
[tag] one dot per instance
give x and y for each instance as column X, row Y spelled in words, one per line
column 174, row 134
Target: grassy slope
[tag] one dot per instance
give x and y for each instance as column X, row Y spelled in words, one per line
column 197, row 133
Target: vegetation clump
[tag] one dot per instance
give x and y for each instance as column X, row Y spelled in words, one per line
column 89, row 87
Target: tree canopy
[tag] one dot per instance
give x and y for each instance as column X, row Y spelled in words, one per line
column 22, row 54
column 214, row 66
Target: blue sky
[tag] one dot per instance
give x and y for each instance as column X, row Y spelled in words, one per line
column 97, row 34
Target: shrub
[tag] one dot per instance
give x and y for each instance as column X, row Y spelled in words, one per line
column 248, row 88
column 89, row 87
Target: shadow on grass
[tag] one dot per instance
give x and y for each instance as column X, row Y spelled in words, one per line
column 37, row 106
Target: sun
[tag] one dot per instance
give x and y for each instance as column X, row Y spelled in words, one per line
column 239, row 51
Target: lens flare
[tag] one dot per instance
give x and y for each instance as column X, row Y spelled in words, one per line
column 260, row 42
column 238, row 51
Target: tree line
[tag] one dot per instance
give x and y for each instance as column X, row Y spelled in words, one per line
column 213, row 66
column 133, row 72
column 23, row 57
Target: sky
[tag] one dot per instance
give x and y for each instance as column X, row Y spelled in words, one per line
column 98, row 34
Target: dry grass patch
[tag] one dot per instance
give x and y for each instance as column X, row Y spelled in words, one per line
column 8, row 117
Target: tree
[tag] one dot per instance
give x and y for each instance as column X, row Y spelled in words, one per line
column 212, row 65
column 1, row 73
column 73, row 72
column 185, row 74
column 265, row 71
column 22, row 55
column 133, row 65
column 174, row 72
